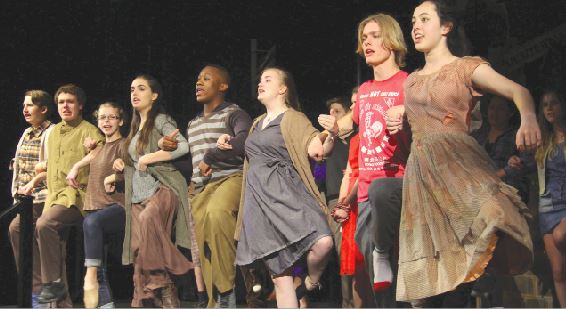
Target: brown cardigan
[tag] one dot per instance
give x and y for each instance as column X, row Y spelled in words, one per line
column 297, row 133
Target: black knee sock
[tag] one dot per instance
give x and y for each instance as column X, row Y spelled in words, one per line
column 202, row 298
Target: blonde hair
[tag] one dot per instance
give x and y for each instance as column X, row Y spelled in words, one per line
column 111, row 104
column 547, row 146
column 392, row 36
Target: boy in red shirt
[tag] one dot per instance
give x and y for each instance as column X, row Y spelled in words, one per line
column 382, row 156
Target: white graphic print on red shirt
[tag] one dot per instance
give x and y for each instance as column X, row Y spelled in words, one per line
column 377, row 147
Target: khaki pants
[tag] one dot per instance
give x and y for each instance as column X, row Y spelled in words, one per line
column 215, row 211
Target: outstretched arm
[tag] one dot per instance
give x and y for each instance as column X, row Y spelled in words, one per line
column 240, row 122
column 34, row 182
column 167, row 127
column 486, row 78
column 74, row 171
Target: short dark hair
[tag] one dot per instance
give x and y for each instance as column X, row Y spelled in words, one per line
column 338, row 100
column 515, row 120
column 40, row 98
column 73, row 89
column 222, row 70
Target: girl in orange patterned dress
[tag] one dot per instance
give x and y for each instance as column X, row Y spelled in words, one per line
column 457, row 215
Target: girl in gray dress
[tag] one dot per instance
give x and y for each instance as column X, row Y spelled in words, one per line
column 282, row 215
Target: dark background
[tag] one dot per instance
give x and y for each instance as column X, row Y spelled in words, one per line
column 101, row 45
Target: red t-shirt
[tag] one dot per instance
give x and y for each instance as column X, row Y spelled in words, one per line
column 379, row 154
column 353, row 154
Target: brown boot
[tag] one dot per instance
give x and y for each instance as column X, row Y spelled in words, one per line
column 169, row 296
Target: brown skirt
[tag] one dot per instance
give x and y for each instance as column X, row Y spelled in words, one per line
column 155, row 254
column 457, row 218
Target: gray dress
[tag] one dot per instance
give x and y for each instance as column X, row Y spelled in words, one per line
column 282, row 220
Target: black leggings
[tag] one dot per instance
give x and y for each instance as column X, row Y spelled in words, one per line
column 385, row 195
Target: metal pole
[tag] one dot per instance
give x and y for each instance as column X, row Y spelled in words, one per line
column 26, row 251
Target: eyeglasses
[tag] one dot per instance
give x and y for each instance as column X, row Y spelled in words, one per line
column 109, row 117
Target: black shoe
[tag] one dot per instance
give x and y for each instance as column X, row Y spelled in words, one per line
column 226, row 299
column 52, row 292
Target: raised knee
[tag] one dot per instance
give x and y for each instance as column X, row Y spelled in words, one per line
column 325, row 244
column 219, row 216
column 379, row 190
column 559, row 237
column 90, row 223
column 41, row 224
column 150, row 212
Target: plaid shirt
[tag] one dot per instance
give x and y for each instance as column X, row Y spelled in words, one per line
column 27, row 156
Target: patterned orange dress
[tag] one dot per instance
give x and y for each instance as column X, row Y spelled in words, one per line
column 457, row 215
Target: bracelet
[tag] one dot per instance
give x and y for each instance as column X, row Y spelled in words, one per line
column 343, row 206
column 346, row 208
